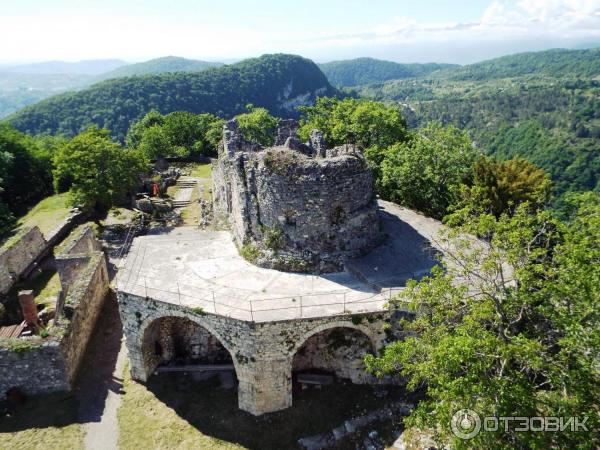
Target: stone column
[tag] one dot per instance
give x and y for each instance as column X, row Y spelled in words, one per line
column 265, row 386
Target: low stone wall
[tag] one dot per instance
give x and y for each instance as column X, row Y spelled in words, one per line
column 15, row 258
column 51, row 364
column 35, row 371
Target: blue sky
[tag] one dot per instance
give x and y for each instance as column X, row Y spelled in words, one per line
column 409, row 31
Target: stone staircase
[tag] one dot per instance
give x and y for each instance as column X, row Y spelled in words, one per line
column 186, row 187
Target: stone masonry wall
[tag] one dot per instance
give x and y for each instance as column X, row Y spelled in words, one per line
column 16, row 258
column 36, row 371
column 29, row 247
column 51, row 364
column 338, row 351
column 305, row 210
column 262, row 352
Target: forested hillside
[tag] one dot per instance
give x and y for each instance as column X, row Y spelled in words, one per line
column 279, row 83
column 159, row 65
column 353, row 72
column 554, row 63
column 552, row 121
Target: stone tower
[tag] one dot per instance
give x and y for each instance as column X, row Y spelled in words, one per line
column 294, row 206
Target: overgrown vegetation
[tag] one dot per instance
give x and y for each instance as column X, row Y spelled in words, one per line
column 509, row 327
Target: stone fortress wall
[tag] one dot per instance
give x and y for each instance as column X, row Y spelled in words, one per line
column 306, row 207
column 24, row 250
column 16, row 258
column 40, row 365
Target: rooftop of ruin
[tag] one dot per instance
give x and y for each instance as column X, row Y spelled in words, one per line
column 203, row 270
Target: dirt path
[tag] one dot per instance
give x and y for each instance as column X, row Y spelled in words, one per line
column 100, row 380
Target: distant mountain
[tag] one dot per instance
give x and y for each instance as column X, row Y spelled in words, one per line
column 18, row 90
column 554, row 63
column 278, row 82
column 159, row 65
column 354, row 72
column 90, row 67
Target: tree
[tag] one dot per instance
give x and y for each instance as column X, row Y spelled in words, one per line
column 179, row 133
column 258, row 125
column 7, row 219
column 97, row 170
column 509, row 327
column 426, row 171
column 27, row 173
column 499, row 187
column 137, row 129
column 362, row 122
column 155, row 143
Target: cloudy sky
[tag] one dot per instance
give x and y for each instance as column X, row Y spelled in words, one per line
column 407, row 31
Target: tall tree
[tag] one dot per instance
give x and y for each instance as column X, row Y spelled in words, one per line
column 258, row 125
column 500, row 186
column 426, row 171
column 362, row 122
column 509, row 328
column 97, row 170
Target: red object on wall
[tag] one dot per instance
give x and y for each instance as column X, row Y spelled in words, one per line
column 155, row 190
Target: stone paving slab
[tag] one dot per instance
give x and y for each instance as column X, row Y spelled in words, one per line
column 203, row 269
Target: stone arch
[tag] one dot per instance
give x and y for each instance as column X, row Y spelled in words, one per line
column 337, row 324
column 148, row 321
column 337, row 348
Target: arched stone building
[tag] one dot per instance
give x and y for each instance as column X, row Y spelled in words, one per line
column 326, row 258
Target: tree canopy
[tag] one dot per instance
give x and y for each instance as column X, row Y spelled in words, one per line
column 179, row 133
column 258, row 125
column 97, row 171
column 509, row 327
column 426, row 171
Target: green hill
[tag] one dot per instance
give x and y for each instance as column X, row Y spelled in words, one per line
column 278, row 82
column 542, row 106
column 159, row 65
column 554, row 63
column 354, row 72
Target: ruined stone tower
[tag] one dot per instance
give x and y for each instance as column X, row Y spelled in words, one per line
column 294, row 206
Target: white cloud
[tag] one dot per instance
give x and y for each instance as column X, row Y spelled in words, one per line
column 502, row 20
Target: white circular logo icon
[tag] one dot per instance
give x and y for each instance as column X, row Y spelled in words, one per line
column 465, row 424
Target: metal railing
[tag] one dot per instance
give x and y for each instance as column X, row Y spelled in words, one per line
column 253, row 306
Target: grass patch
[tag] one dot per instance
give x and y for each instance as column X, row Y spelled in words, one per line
column 47, row 422
column 250, row 252
column 147, row 422
column 47, row 214
column 201, row 170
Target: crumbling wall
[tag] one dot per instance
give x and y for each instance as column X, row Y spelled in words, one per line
column 15, row 258
column 29, row 247
column 305, row 207
column 40, row 369
column 83, row 303
column 40, row 365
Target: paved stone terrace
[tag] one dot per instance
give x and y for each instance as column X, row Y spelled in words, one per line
column 200, row 269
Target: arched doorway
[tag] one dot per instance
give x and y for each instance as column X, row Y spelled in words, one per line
column 337, row 352
column 174, row 343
